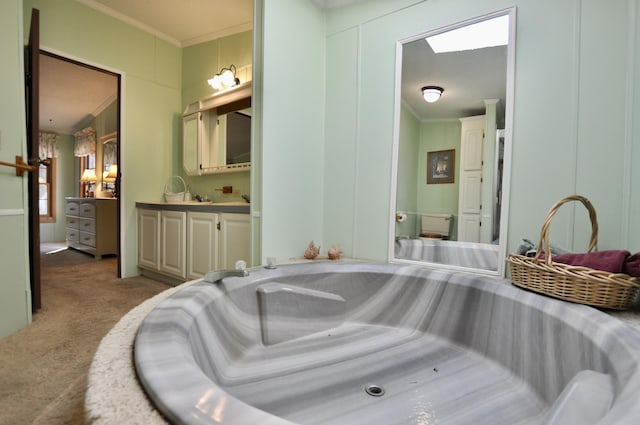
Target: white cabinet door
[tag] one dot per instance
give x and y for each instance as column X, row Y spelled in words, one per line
column 173, row 243
column 191, row 133
column 235, row 239
column 202, row 246
column 149, row 239
column 470, row 190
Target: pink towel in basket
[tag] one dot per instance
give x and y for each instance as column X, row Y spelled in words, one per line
column 613, row 261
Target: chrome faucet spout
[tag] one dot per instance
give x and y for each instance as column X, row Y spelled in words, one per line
column 216, row 276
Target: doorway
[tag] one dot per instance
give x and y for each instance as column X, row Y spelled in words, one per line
column 80, row 107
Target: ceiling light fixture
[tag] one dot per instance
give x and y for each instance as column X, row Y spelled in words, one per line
column 432, row 93
column 224, row 79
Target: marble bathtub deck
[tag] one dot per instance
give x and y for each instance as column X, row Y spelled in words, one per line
column 114, row 394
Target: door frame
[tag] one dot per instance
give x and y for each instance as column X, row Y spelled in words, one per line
column 32, row 99
column 120, row 84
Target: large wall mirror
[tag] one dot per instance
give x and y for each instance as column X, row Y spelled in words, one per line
column 454, row 108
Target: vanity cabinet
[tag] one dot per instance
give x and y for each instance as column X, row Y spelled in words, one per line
column 174, row 246
column 149, row 239
column 235, row 239
column 162, row 242
column 92, row 225
column 173, row 243
column 202, row 249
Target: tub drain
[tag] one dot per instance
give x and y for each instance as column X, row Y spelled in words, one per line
column 374, row 390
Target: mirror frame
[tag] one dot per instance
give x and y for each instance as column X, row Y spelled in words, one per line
column 508, row 142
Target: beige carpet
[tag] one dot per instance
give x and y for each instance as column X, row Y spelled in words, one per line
column 43, row 367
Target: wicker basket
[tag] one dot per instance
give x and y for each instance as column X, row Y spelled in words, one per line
column 573, row 283
column 170, row 196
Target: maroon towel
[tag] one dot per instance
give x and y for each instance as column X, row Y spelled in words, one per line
column 632, row 265
column 612, row 261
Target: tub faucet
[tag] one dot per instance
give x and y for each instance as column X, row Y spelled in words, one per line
column 216, row 276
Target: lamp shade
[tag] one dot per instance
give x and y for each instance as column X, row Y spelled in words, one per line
column 432, row 93
column 113, row 172
column 89, row 175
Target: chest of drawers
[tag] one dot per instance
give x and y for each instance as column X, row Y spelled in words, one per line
column 91, row 225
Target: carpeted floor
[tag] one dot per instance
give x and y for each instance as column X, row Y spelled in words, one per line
column 43, row 367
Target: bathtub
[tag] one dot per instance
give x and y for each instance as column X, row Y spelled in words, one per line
column 454, row 253
column 360, row 343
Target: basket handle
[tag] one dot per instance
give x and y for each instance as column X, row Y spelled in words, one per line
column 544, row 232
column 166, row 185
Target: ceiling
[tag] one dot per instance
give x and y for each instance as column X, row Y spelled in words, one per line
column 72, row 95
column 467, row 78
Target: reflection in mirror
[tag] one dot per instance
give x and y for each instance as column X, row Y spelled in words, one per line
column 109, row 164
column 217, row 132
column 453, row 153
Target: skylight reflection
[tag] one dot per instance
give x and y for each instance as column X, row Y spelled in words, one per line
column 489, row 33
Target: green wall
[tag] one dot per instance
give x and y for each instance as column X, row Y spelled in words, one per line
column 292, row 128
column 438, row 198
column 578, row 134
column 407, row 174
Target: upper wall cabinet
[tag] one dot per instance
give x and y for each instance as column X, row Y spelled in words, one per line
column 216, row 134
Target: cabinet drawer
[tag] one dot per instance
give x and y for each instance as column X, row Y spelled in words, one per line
column 73, row 208
column 88, row 239
column 73, row 222
column 87, row 210
column 73, row 235
column 87, row 225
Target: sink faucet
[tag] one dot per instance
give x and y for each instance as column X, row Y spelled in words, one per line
column 216, row 276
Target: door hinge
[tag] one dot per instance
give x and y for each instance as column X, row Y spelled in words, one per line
column 218, row 226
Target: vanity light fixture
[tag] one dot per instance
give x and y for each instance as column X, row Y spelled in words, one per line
column 224, row 79
column 432, row 93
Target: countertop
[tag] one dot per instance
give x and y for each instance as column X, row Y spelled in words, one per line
column 214, row 207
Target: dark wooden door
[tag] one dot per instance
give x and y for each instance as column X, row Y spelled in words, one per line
column 32, row 67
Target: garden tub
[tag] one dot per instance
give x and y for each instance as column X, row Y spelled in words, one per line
column 360, row 343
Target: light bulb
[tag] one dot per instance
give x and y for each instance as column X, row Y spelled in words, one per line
column 431, row 93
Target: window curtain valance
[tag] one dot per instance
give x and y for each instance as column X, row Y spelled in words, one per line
column 47, row 145
column 85, row 142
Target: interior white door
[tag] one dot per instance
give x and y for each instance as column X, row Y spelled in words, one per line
column 470, row 190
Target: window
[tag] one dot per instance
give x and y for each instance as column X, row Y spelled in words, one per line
column 47, row 191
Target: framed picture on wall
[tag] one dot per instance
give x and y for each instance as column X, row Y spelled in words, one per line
column 441, row 166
